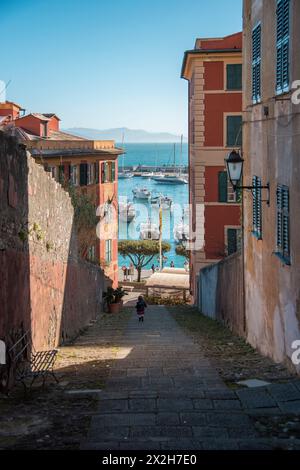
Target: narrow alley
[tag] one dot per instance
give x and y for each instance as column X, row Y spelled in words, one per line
column 128, row 385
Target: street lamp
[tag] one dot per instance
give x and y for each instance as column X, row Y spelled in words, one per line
column 234, row 166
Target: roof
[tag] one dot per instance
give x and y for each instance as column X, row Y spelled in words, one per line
column 226, row 45
column 51, row 115
column 53, row 153
column 168, row 280
column 12, row 103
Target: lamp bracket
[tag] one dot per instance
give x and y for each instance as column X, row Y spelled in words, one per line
column 251, row 188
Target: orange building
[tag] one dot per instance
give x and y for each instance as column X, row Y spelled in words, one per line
column 89, row 166
column 214, row 72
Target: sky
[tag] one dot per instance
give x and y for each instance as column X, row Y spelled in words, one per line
column 103, row 64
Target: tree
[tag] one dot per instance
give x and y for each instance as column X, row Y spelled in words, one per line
column 182, row 251
column 141, row 252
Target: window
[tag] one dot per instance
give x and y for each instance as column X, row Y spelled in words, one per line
column 283, row 223
column 61, row 174
column 283, row 46
column 234, row 131
column 108, row 172
column 108, row 251
column 222, row 186
column 226, row 192
column 256, row 64
column 83, row 174
column 233, row 240
column 45, row 129
column 234, row 77
column 74, row 175
column 96, row 172
column 257, row 207
column 53, row 171
column 89, row 176
column 91, row 253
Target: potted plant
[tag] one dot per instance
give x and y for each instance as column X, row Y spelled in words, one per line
column 113, row 298
column 119, row 294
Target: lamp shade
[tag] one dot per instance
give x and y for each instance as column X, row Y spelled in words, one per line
column 234, row 165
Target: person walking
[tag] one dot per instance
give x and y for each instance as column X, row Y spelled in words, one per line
column 172, row 265
column 131, row 272
column 140, row 308
column 153, row 268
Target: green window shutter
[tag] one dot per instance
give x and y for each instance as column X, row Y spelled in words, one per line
column 279, row 241
column 113, row 171
column 104, row 172
column 234, row 131
column 257, row 206
column 61, row 173
column 83, row 174
column 96, row 171
column 232, row 241
column 256, row 64
column 222, row 186
column 283, row 46
column 234, row 77
column 283, row 222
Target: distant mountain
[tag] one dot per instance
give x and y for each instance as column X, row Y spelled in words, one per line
column 130, row 135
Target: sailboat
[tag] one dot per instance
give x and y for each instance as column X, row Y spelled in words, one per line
column 177, row 178
column 124, row 174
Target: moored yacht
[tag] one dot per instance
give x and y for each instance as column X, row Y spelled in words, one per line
column 181, row 232
column 126, row 211
column 141, row 193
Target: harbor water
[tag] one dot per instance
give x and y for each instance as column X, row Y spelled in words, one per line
column 148, row 154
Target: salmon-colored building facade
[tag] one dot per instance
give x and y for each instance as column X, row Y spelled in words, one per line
column 90, row 166
column 214, row 72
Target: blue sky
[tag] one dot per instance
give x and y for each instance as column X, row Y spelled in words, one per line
column 105, row 64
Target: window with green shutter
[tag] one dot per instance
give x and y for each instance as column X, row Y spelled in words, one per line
column 233, row 240
column 108, row 251
column 83, row 174
column 283, row 46
column 61, row 174
column 104, row 172
column 96, row 172
column 234, row 131
column 283, row 223
column 256, row 64
column 223, row 186
column 234, row 76
column 113, row 171
column 257, row 207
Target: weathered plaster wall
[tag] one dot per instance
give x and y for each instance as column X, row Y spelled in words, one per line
column 44, row 286
column 271, row 151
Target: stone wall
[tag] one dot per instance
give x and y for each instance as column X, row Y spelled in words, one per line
column 44, row 286
column 220, row 292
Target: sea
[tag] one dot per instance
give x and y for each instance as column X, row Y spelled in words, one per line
column 153, row 154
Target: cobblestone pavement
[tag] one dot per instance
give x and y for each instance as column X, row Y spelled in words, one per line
column 163, row 393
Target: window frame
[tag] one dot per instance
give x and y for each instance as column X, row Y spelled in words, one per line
column 226, row 75
column 281, row 43
column 257, row 226
column 256, row 64
column 236, row 144
column 283, row 223
column 108, row 251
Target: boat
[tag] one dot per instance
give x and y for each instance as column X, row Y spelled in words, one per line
column 147, row 174
column 126, row 211
column 181, row 232
column 149, row 231
column 165, row 201
column 141, row 193
column 176, row 178
column 171, row 179
column 125, row 175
